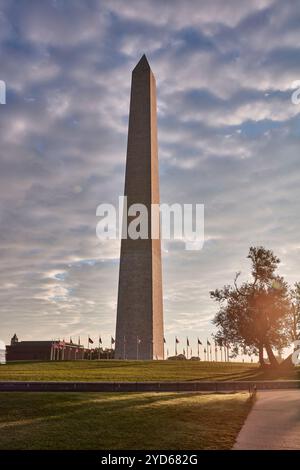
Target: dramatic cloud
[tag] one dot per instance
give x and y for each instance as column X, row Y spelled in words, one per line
column 228, row 135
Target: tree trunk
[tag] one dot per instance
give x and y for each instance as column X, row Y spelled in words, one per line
column 261, row 355
column 271, row 356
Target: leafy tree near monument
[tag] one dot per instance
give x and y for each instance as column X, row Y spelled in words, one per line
column 295, row 312
column 256, row 316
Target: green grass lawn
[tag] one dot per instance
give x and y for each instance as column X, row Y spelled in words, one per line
column 137, row 371
column 121, row 421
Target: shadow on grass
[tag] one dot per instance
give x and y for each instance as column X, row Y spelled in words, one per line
column 253, row 375
column 123, row 421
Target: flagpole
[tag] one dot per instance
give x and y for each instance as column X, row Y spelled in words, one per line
column 175, row 346
column 137, row 348
column 124, row 347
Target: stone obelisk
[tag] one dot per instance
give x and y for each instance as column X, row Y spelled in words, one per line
column 139, row 331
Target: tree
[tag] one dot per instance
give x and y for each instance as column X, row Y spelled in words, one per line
column 295, row 312
column 255, row 316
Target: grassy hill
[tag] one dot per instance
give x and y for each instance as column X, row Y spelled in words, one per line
column 124, row 420
column 134, row 371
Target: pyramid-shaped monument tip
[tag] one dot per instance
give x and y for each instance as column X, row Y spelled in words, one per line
column 142, row 65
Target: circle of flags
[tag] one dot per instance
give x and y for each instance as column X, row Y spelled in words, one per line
column 208, row 350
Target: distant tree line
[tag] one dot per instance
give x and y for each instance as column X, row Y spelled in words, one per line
column 99, row 353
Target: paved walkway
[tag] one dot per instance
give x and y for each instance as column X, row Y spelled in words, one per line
column 273, row 423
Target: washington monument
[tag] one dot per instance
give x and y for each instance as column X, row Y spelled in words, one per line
column 139, row 331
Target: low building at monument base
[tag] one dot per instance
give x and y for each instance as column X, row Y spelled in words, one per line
column 43, row 351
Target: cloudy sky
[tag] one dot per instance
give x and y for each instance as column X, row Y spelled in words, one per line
column 228, row 138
